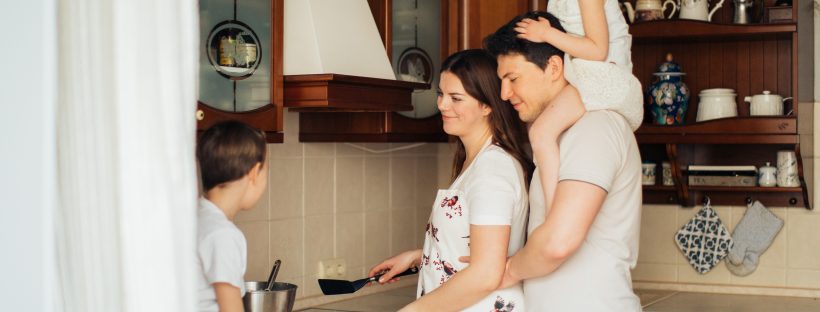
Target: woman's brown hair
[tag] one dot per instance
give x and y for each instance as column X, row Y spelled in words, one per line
column 227, row 151
column 477, row 71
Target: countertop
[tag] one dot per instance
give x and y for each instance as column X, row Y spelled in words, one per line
column 651, row 300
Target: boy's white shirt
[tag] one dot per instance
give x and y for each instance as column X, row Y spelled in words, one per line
column 222, row 254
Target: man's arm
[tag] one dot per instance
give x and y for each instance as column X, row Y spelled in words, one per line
column 559, row 237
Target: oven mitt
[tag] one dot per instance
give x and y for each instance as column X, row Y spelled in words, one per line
column 752, row 236
column 704, row 240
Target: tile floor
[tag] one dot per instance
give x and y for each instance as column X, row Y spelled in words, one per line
column 652, row 301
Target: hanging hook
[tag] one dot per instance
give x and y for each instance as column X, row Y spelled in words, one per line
column 707, row 201
column 748, row 200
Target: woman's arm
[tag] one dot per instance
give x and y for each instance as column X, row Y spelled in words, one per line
column 594, row 46
column 395, row 265
column 228, row 297
column 488, row 251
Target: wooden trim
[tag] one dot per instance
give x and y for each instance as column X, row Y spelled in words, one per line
column 716, row 139
column 263, row 118
column 675, row 29
column 331, row 91
column 734, row 125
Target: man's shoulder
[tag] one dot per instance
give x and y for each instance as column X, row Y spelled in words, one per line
column 601, row 119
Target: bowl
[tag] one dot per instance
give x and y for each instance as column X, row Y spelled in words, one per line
column 279, row 299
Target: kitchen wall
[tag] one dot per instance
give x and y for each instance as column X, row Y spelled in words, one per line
column 327, row 200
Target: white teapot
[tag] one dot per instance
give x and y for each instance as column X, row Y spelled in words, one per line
column 698, row 10
column 766, row 104
column 649, row 10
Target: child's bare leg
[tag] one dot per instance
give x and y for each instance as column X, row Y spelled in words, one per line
column 560, row 114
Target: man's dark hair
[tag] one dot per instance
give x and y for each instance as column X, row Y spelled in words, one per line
column 227, row 151
column 505, row 41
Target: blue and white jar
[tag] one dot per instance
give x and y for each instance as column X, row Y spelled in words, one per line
column 668, row 98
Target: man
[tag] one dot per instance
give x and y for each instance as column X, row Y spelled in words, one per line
column 580, row 249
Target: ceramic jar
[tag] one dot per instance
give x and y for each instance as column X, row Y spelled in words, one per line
column 668, row 98
column 767, row 176
column 716, row 103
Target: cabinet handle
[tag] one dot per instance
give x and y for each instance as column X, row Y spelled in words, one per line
column 200, row 115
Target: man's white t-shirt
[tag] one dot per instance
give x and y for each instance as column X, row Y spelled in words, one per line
column 221, row 254
column 599, row 149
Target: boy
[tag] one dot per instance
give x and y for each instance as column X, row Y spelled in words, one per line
column 232, row 165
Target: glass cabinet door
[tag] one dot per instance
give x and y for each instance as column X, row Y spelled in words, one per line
column 416, row 50
column 239, row 41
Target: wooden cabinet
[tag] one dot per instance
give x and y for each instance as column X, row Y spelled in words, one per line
column 746, row 58
column 241, row 64
column 462, row 25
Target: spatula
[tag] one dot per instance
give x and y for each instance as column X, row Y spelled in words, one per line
column 338, row 287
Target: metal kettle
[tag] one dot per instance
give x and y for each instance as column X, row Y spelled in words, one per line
column 743, row 11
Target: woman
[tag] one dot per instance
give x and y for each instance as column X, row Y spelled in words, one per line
column 483, row 212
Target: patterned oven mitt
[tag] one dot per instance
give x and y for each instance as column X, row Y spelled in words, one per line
column 704, row 240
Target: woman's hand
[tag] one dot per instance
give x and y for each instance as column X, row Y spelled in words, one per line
column 535, row 31
column 396, row 265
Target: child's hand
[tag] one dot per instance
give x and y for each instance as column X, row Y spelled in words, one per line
column 560, row 114
column 535, row 31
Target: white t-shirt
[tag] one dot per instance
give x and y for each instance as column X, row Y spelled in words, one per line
column 221, row 254
column 491, row 191
column 599, row 149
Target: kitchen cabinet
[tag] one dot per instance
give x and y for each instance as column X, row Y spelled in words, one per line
column 448, row 27
column 240, row 70
column 747, row 58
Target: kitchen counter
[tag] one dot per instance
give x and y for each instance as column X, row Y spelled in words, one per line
column 651, row 300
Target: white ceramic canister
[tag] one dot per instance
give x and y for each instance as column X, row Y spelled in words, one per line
column 717, row 103
column 787, row 169
column 767, row 176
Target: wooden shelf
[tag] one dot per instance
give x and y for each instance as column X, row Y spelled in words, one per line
column 755, row 189
column 675, row 29
column 334, row 93
column 735, row 130
column 659, row 188
column 369, row 127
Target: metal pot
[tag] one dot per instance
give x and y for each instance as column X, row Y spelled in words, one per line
column 279, row 299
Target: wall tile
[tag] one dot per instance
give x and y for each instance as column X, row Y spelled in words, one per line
column 403, row 233
column 377, row 183
column 285, row 184
column 803, row 241
column 287, row 244
column 423, row 149
column 291, row 129
column 349, row 149
column 318, row 186
column 426, row 180
column 318, row 242
column 658, row 227
column 320, row 149
column 257, row 236
column 807, row 142
column 350, row 184
column 762, row 276
column 718, row 275
column 349, row 237
column 654, row 272
column 803, row 278
column 805, row 120
column 403, row 182
column 299, row 281
column 377, row 237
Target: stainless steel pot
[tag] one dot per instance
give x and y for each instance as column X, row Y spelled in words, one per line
column 279, row 299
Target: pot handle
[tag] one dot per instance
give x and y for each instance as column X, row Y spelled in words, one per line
column 674, row 7
column 787, row 99
column 714, row 9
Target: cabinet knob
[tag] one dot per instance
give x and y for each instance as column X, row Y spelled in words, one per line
column 671, row 199
column 200, row 115
column 792, row 201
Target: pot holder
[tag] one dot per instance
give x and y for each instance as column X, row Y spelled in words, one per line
column 704, row 240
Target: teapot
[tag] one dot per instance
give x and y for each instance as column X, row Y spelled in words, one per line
column 698, row 10
column 649, row 10
column 766, row 104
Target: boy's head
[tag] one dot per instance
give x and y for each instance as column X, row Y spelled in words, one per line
column 531, row 73
column 230, row 151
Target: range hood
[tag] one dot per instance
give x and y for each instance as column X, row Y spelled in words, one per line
column 334, row 60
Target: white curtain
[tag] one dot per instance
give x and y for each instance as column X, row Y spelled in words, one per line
column 125, row 224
